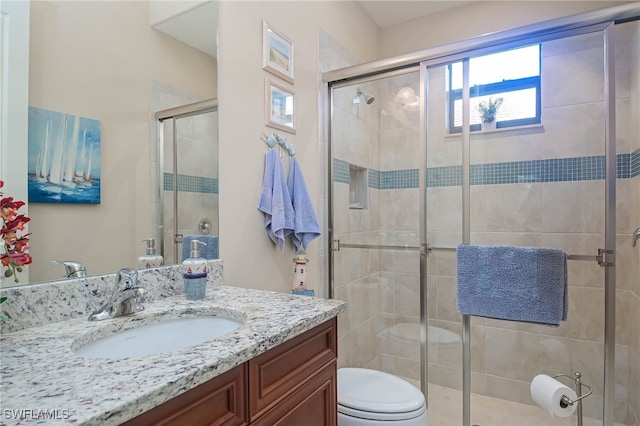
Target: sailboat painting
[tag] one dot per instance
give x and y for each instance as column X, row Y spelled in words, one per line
column 64, row 158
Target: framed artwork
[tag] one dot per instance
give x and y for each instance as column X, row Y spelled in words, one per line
column 279, row 106
column 63, row 158
column 277, row 53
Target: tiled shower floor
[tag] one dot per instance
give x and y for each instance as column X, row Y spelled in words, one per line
column 445, row 410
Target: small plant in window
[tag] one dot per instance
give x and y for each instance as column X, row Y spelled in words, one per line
column 488, row 109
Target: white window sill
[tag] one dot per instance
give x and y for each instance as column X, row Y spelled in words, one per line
column 504, row 129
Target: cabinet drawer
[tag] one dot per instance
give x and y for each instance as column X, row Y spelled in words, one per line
column 280, row 371
column 315, row 402
column 220, row 401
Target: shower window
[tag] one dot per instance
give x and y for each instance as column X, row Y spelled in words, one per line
column 513, row 75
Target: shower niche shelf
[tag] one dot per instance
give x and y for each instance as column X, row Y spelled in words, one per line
column 358, row 188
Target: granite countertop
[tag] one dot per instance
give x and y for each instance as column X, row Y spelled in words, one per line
column 43, row 381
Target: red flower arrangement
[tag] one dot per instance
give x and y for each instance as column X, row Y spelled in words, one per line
column 13, row 247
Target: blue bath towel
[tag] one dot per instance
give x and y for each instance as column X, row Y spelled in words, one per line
column 275, row 201
column 526, row 284
column 210, row 251
column 306, row 227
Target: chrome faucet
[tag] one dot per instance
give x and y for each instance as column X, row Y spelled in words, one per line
column 124, row 299
column 72, row 268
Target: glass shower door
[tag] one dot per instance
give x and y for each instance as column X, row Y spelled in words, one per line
column 375, row 223
column 444, row 234
column 532, row 184
column 190, row 179
column 543, row 186
column 197, row 175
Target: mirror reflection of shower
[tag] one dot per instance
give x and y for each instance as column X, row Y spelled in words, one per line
column 368, row 98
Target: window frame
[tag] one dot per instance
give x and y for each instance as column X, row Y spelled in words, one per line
column 500, row 87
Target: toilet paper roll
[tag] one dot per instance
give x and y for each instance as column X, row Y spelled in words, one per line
column 547, row 392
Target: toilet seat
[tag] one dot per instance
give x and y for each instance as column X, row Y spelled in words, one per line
column 375, row 395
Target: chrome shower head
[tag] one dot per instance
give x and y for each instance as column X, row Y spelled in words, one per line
column 367, row 97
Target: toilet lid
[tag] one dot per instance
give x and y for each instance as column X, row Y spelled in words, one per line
column 377, row 392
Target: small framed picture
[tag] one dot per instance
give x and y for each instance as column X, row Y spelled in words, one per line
column 277, row 53
column 279, row 106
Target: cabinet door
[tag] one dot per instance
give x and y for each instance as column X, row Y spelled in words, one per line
column 220, row 401
column 280, row 371
column 313, row 404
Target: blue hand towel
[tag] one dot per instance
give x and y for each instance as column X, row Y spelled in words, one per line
column 306, row 227
column 526, row 284
column 275, row 201
column 210, row 251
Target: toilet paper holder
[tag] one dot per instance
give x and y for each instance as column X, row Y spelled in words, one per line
column 565, row 401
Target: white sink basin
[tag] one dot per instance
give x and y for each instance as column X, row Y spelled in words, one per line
column 166, row 336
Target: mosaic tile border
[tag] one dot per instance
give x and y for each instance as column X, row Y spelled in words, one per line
column 186, row 183
column 340, row 171
column 399, row 179
column 634, row 163
column 535, row 171
column 374, row 179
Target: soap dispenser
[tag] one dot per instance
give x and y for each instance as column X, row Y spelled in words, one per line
column 150, row 259
column 194, row 272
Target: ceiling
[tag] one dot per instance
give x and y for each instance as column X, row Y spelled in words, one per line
column 389, row 12
column 196, row 27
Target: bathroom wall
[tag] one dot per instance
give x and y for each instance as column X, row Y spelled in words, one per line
column 240, row 41
column 474, row 19
column 540, row 207
column 242, row 235
column 98, row 60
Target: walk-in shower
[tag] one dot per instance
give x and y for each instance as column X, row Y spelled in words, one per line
column 411, row 181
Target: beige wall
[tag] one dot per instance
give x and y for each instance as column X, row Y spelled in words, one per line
column 251, row 259
column 98, row 60
column 475, row 19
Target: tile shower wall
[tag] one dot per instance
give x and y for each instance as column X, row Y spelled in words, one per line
column 197, row 167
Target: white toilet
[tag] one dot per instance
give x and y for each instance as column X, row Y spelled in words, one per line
column 369, row 397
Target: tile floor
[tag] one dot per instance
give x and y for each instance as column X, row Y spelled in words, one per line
column 445, row 410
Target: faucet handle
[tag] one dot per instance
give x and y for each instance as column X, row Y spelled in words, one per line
column 127, row 279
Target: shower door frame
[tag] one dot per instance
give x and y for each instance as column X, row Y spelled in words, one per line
column 173, row 114
column 601, row 20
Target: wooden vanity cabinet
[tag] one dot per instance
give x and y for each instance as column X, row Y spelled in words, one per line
column 297, row 378
column 220, row 401
column 292, row 384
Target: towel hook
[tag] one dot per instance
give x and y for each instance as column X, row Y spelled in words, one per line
column 275, row 138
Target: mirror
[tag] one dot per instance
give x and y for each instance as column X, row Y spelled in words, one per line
column 119, row 63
